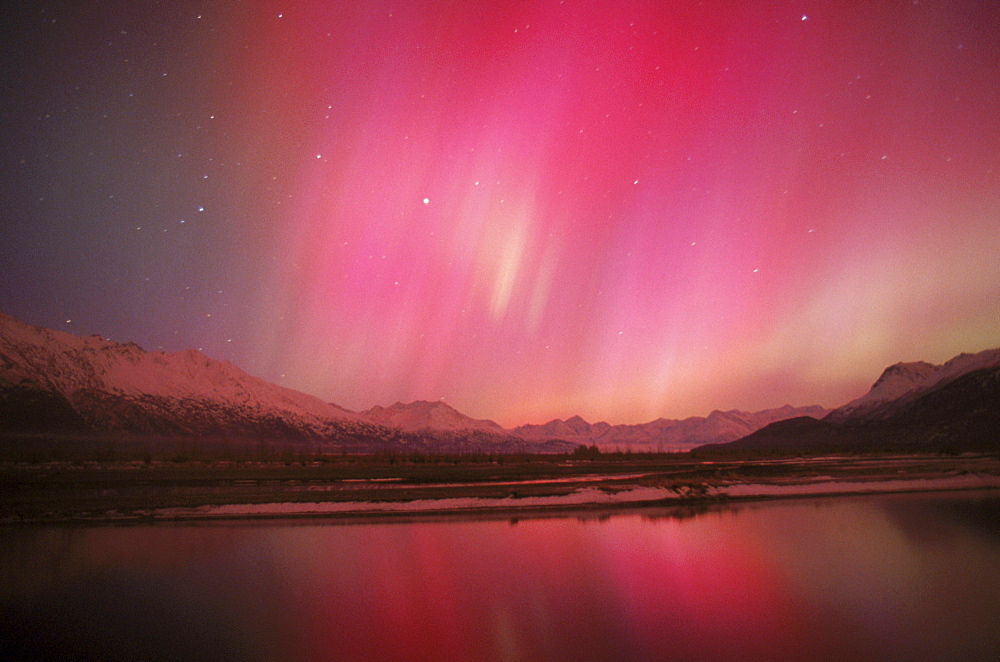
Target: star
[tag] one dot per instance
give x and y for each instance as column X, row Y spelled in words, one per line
column 548, row 243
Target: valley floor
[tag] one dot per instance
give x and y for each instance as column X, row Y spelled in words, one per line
column 352, row 488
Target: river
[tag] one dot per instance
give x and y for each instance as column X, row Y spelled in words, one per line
column 901, row 577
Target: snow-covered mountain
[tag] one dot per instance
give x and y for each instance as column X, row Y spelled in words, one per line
column 99, row 385
column 423, row 415
column 665, row 434
column 53, row 382
column 952, row 407
column 906, row 381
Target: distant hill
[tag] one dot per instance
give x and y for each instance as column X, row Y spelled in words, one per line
column 953, row 407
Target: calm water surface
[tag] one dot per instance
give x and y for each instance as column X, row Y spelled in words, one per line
column 902, row 577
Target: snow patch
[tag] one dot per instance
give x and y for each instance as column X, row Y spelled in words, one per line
column 584, row 496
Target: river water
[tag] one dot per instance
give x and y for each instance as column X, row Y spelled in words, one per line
column 907, row 577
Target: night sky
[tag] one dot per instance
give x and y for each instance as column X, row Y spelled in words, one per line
column 622, row 210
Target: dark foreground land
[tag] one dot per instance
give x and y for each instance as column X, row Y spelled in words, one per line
column 372, row 486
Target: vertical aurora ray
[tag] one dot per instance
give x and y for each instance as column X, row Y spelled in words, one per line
column 626, row 212
column 532, row 210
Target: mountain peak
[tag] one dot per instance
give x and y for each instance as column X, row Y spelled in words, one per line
column 428, row 415
column 914, row 373
column 907, row 380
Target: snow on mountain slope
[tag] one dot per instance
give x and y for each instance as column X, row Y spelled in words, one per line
column 964, row 364
column 895, row 381
column 424, row 415
column 955, row 415
column 905, row 381
column 117, row 386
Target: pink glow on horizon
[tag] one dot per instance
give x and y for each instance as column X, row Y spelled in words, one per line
column 621, row 212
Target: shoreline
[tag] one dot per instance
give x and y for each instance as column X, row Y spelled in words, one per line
column 587, row 499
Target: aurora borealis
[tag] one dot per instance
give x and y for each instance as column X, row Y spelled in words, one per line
column 622, row 210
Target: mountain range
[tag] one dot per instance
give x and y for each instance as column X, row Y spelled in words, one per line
column 53, row 383
column 665, row 434
column 911, row 407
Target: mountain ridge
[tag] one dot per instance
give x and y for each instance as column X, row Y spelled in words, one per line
column 53, row 382
column 919, row 406
column 908, row 381
column 78, row 368
column 664, row 434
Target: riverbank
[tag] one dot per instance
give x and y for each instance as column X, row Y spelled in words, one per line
column 342, row 490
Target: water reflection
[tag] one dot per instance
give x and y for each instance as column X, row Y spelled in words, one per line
column 906, row 577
